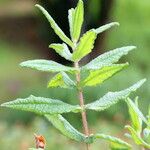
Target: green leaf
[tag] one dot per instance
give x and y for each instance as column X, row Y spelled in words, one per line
column 76, row 17
column 65, row 127
column 116, row 146
column 146, row 133
column 113, row 140
column 46, row 65
column 106, row 27
column 137, row 111
column 137, row 139
column 112, row 98
column 136, row 120
column 55, row 27
column 99, row 76
column 85, row 45
column 61, row 80
column 42, row 105
column 108, row 58
column 62, row 50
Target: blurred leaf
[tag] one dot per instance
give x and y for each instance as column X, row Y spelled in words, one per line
column 115, row 142
column 85, row 45
column 99, row 76
column 56, row 28
column 112, row 98
column 61, row 80
column 76, row 17
column 116, row 146
column 106, row 27
column 46, row 65
column 42, row 105
column 136, row 120
column 146, row 134
column 60, row 123
column 137, row 139
column 108, row 58
column 62, row 50
column 136, row 113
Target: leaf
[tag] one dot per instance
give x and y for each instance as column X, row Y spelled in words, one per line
column 108, row 58
column 46, row 65
column 62, row 50
column 113, row 140
column 116, row 146
column 85, row 45
column 55, row 27
column 76, row 20
column 146, row 133
column 137, row 139
column 136, row 120
column 112, row 98
column 99, row 76
column 106, row 27
column 137, row 112
column 135, row 136
column 42, row 105
column 65, row 127
column 61, row 80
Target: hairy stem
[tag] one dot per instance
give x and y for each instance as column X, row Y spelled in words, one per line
column 81, row 99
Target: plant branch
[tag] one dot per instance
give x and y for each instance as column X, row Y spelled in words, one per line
column 81, row 99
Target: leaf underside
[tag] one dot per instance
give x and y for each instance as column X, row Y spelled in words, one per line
column 112, row 98
column 55, row 27
column 62, row 50
column 46, row 66
column 106, row 27
column 114, row 141
column 42, row 105
column 108, row 58
column 60, row 123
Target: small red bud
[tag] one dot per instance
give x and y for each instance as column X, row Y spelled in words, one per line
column 40, row 141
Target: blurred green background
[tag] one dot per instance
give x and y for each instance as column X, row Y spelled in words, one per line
column 25, row 34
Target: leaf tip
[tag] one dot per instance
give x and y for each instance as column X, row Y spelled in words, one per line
column 132, row 47
column 2, row 105
column 37, row 5
column 81, row 1
column 127, row 126
column 142, row 81
column 22, row 64
column 115, row 23
column 50, row 46
column 5, row 104
column 126, row 64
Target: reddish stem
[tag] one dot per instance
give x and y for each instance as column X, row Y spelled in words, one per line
column 81, row 99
